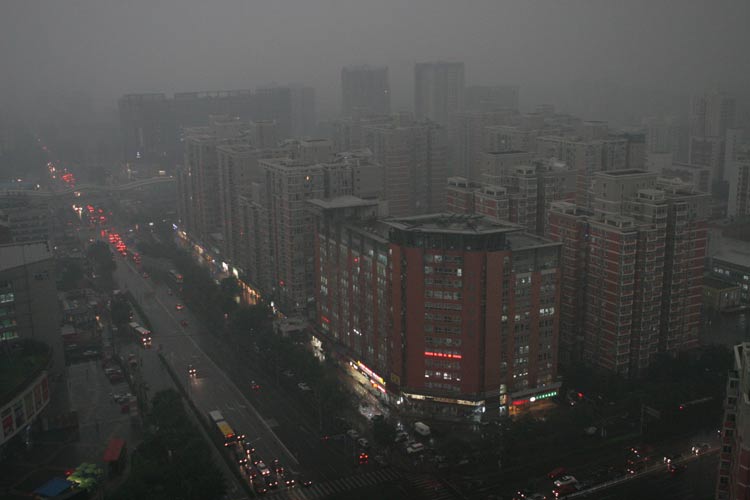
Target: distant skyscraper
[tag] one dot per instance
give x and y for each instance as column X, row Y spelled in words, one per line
column 365, row 91
column 491, row 97
column 711, row 115
column 304, row 118
column 438, row 90
column 413, row 156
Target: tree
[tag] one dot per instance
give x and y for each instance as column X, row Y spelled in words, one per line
column 120, row 311
column 383, row 432
column 71, row 275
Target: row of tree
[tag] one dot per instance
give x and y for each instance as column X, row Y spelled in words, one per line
column 173, row 461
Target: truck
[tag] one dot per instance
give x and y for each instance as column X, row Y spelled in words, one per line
column 421, row 429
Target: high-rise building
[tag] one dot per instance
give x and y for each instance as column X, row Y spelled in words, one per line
column 413, row 157
column 150, row 124
column 468, row 138
column 734, row 456
column 513, row 188
column 455, row 315
column 365, row 90
column 199, row 207
column 438, row 90
column 491, row 97
column 711, row 115
column 280, row 217
column 304, row 117
column 632, row 268
column 28, row 298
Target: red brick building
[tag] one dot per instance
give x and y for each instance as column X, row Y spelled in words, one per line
column 455, row 315
column 632, row 270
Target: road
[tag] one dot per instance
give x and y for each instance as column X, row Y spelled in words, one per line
column 278, row 418
column 698, row 482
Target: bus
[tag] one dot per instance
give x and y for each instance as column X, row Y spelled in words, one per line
column 225, row 431
column 175, row 277
column 142, row 334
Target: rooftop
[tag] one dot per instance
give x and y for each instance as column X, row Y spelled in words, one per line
column 20, row 365
column 732, row 251
column 342, row 202
column 17, row 255
column 451, row 224
column 717, row 283
column 626, row 171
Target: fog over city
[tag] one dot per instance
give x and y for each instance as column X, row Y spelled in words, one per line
column 374, row 249
column 574, row 54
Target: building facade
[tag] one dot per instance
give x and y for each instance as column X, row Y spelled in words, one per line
column 365, row 90
column 456, row 313
column 633, row 270
column 438, row 90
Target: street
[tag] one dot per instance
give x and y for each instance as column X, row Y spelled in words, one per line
column 274, row 417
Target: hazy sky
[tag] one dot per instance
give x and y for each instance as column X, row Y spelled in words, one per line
column 111, row 47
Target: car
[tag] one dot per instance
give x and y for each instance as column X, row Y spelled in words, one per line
column 676, row 469
column 249, row 448
column 401, row 436
column 304, row 387
column 257, row 459
column 184, row 323
column 700, row 448
column 556, row 473
column 288, row 373
column 563, row 480
column 537, row 496
column 566, row 489
column 254, row 385
column 415, row 448
column 263, row 468
column 90, row 353
column 169, row 292
column 192, row 371
column 239, row 454
column 352, row 433
column 271, row 481
column 365, row 444
column 145, row 275
column 259, row 486
column 290, row 482
column 668, row 459
column 523, row 494
column 304, row 482
column 179, row 307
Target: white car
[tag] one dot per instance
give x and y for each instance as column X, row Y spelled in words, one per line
column 363, row 443
column 304, row 387
column 415, row 448
column 352, row 433
column 565, row 480
column 263, row 468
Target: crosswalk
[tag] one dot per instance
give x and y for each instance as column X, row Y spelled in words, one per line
column 430, row 487
column 323, row 490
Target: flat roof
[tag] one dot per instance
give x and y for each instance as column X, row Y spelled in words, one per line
column 451, row 223
column 732, row 251
column 626, row 171
column 22, row 254
column 342, row 202
column 717, row 283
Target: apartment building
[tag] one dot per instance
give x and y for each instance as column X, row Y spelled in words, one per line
column 405, row 297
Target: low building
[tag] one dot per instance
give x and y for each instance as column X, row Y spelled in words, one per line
column 720, row 295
